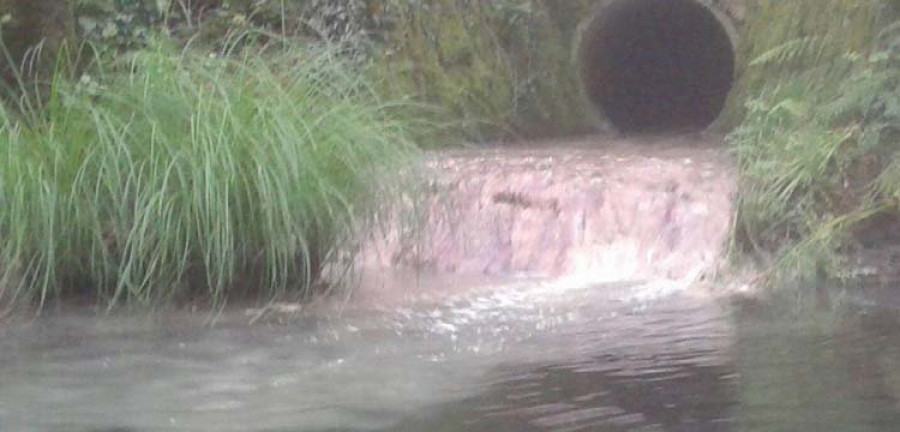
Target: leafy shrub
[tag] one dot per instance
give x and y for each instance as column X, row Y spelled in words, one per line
column 818, row 152
column 119, row 24
column 122, row 25
column 783, row 38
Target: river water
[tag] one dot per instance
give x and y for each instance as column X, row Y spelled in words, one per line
column 558, row 338
column 516, row 355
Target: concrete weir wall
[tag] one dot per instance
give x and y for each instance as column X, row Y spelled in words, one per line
column 656, row 65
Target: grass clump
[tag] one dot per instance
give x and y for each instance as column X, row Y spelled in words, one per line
column 818, row 153
column 176, row 175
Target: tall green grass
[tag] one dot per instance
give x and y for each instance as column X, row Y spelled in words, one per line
column 174, row 175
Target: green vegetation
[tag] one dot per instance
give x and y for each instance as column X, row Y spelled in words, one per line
column 173, row 174
column 818, row 146
column 116, row 25
column 495, row 68
column 482, row 70
column 158, row 173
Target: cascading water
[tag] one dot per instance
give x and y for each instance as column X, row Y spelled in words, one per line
column 596, row 210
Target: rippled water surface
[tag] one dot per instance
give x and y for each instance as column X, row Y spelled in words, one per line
column 527, row 355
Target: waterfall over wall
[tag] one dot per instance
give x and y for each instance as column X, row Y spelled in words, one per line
column 598, row 209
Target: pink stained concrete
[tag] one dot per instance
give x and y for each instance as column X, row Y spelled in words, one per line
column 599, row 208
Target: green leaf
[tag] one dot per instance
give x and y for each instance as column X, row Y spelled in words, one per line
column 110, row 30
column 163, row 5
column 87, row 24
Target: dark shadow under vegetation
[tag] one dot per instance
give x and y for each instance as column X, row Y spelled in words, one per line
column 172, row 175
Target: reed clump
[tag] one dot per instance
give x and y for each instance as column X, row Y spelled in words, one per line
column 174, row 175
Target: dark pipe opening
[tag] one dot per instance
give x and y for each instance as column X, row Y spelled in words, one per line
column 657, row 65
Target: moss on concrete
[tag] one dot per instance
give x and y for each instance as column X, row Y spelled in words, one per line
column 498, row 67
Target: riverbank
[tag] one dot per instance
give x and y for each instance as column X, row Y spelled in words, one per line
column 172, row 175
column 813, row 167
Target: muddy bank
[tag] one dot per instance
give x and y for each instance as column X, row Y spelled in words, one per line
column 599, row 208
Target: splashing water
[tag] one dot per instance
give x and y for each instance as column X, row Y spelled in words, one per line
column 597, row 210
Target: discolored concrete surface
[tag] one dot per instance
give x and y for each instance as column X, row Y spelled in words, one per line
column 599, row 208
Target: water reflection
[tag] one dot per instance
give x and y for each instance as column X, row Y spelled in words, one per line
column 662, row 366
column 833, row 370
column 527, row 356
column 815, row 369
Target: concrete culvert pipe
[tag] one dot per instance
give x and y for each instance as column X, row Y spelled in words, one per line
column 657, row 65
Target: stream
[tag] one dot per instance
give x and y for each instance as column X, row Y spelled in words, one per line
column 613, row 325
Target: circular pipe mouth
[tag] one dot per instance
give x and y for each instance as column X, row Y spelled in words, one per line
column 651, row 66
